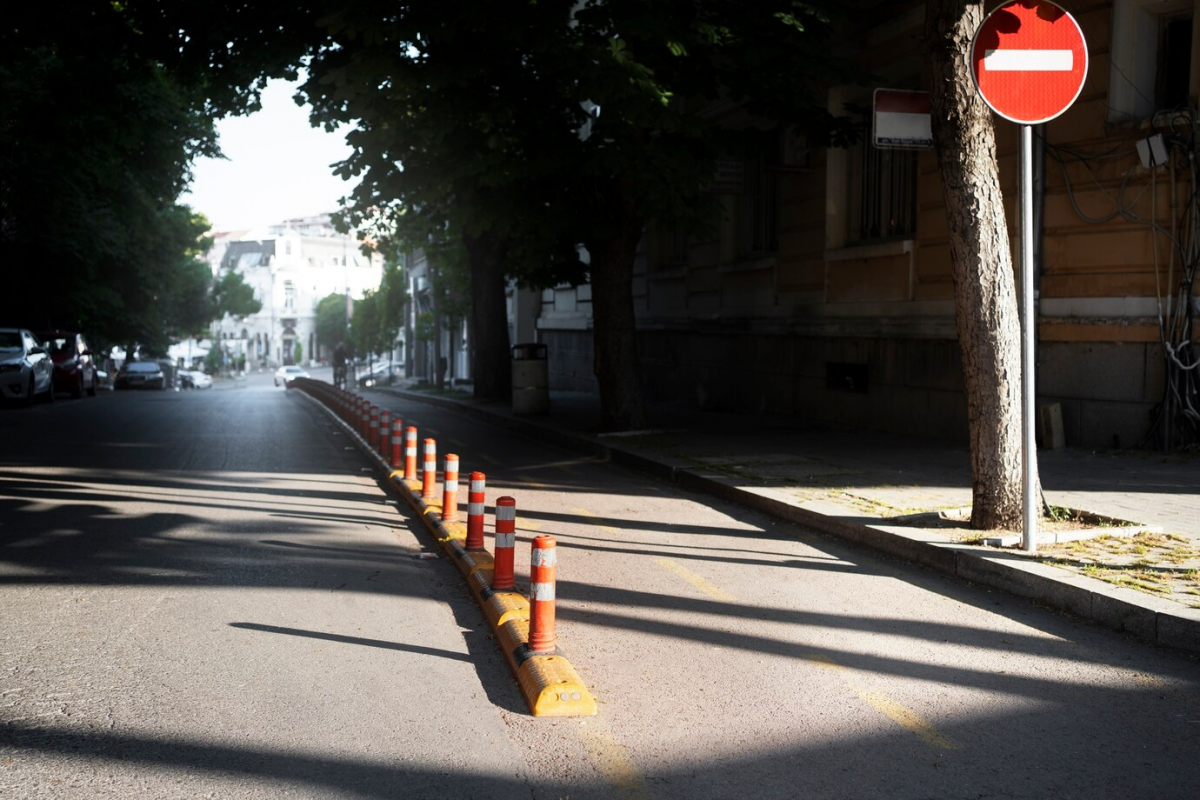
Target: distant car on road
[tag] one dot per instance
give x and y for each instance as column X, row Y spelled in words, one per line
column 141, row 375
column 74, row 370
column 285, row 375
column 194, row 379
column 26, row 369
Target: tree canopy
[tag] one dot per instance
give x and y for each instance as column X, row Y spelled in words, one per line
column 522, row 130
column 106, row 106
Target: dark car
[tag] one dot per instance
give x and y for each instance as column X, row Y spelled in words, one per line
column 74, row 369
column 141, row 375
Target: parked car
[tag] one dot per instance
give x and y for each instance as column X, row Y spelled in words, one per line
column 381, row 373
column 285, row 375
column 74, row 369
column 194, row 379
column 26, row 369
column 141, row 375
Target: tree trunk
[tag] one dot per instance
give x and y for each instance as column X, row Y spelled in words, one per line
column 435, row 296
column 491, row 361
column 985, row 299
column 614, row 331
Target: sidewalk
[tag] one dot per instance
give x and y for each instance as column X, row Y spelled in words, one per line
column 893, row 492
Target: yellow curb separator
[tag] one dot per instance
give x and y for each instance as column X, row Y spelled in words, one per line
column 551, row 686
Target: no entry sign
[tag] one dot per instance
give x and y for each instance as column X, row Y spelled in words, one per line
column 1029, row 61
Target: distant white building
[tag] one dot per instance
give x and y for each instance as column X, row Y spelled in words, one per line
column 291, row 267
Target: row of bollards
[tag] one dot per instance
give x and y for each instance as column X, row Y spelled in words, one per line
column 396, row 446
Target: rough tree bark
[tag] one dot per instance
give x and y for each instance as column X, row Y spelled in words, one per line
column 614, row 326
column 985, row 300
column 491, row 361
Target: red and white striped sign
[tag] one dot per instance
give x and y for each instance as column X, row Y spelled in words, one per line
column 1029, row 61
column 902, row 119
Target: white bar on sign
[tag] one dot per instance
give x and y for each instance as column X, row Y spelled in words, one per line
column 1028, row 60
column 891, row 125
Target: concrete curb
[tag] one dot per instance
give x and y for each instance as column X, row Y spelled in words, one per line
column 550, row 685
column 1146, row 617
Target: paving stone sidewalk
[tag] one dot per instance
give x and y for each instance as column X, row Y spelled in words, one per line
column 887, row 490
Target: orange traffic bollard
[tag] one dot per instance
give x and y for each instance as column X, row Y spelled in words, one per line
column 373, row 426
column 450, row 489
column 542, row 574
column 397, row 443
column 385, row 432
column 475, row 499
column 410, row 454
column 503, row 579
column 429, row 477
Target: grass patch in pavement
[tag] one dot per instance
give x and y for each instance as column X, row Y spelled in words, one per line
column 1162, row 564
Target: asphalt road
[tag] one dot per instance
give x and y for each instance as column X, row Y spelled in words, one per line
column 204, row 594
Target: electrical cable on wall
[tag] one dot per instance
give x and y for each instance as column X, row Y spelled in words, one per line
column 1175, row 421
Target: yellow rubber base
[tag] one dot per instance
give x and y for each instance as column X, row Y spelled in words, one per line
column 553, row 688
column 473, row 561
column 503, row 606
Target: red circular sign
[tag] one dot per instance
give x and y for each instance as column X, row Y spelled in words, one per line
column 1029, row 61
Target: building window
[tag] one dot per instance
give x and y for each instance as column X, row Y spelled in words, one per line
column 756, row 211
column 883, row 193
column 672, row 247
column 1151, row 57
column 870, row 192
column 289, row 295
column 1175, row 46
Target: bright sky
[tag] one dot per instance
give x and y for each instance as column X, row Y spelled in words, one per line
column 277, row 167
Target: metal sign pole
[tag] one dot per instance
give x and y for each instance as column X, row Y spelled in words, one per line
column 1028, row 337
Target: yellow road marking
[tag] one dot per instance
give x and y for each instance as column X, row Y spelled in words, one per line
column 906, row 718
column 710, row 589
column 902, row 715
column 531, row 482
column 525, row 525
column 583, row 512
column 612, row 759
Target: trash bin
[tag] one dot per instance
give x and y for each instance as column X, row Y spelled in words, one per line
column 530, row 379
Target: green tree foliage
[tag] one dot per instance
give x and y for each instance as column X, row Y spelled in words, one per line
column 425, row 329
column 214, row 360
column 331, row 320
column 96, row 145
column 478, row 125
column 105, row 107
column 393, row 298
column 188, row 308
column 366, row 329
column 233, row 296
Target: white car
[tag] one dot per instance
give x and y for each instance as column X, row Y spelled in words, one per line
column 26, row 369
column 285, row 375
column 197, row 380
